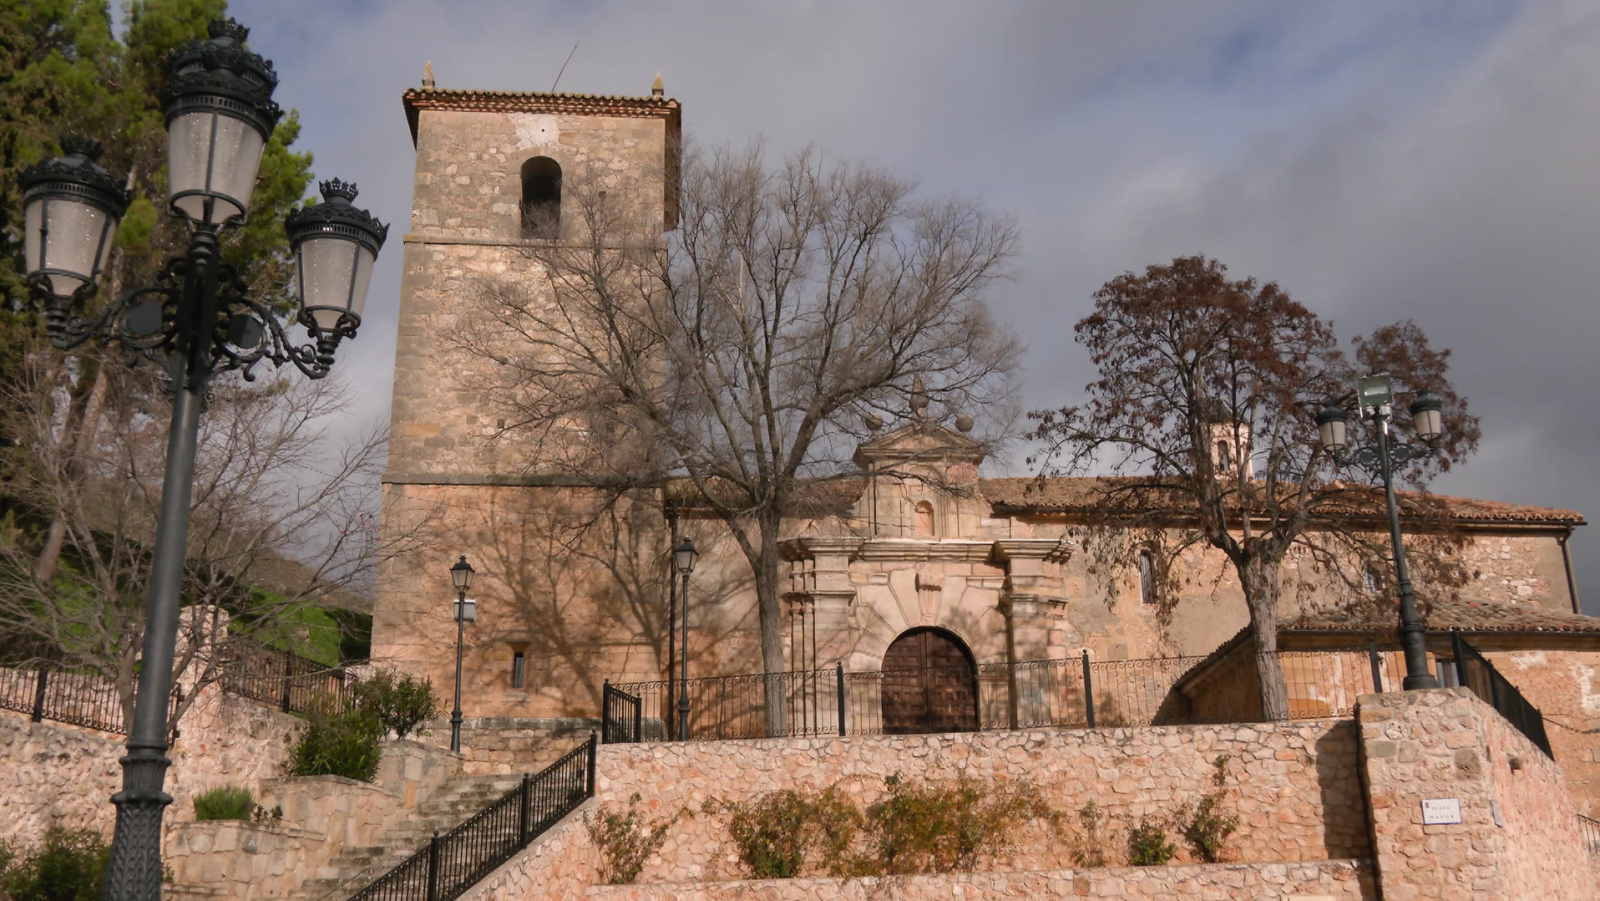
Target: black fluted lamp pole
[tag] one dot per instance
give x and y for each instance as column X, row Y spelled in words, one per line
column 1374, row 397
column 683, row 557
column 461, row 575
column 195, row 321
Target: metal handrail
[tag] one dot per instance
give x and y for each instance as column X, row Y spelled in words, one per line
column 451, row 863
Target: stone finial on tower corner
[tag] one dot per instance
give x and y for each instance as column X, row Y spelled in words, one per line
column 655, row 87
column 427, row 75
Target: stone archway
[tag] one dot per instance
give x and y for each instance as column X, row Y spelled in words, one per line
column 930, row 684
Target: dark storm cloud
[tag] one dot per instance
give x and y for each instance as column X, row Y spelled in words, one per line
column 1433, row 161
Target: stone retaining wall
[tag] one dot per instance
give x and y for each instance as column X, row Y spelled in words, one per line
column 1328, row 880
column 1518, row 836
column 561, row 863
column 1294, row 785
column 54, row 774
column 241, row 860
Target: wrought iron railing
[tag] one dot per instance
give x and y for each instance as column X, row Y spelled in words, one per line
column 79, row 699
column 1475, row 672
column 282, row 679
column 453, row 862
column 1072, row 692
column 623, row 720
column 1589, row 830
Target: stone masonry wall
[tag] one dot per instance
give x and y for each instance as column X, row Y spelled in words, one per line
column 1337, row 880
column 53, row 774
column 1294, row 784
column 561, row 863
column 1565, row 686
column 242, row 860
column 1517, row 839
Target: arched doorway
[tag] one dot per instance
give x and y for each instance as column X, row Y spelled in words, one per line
column 929, row 684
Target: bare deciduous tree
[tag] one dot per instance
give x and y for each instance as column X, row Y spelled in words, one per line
column 1194, row 366
column 740, row 352
column 281, row 517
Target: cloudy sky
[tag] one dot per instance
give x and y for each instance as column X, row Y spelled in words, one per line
column 1438, row 161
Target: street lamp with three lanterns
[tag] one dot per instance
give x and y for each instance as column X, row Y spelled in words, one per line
column 196, row 321
column 1374, row 397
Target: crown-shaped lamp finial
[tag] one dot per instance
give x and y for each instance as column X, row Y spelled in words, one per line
column 228, row 28
column 334, row 188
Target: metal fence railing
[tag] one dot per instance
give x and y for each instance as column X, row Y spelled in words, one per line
column 281, row 679
column 1589, row 830
column 79, row 699
column 1475, row 672
column 1072, row 692
column 452, row 863
column 623, row 719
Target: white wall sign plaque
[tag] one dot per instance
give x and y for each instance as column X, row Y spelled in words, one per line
column 1441, row 811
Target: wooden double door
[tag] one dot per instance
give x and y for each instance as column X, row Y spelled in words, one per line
column 929, row 684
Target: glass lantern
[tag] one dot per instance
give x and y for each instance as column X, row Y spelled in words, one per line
column 335, row 245
column 219, row 113
column 70, row 211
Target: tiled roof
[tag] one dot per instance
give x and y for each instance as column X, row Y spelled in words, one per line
column 1082, row 495
column 1444, row 615
column 416, row 99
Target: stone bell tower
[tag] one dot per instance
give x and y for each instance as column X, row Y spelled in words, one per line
column 493, row 171
column 498, row 174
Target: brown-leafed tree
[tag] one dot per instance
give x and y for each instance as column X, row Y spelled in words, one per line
column 1202, row 415
column 741, row 352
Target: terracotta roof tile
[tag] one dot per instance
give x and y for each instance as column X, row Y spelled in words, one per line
column 1444, row 615
column 1082, row 494
column 416, row 99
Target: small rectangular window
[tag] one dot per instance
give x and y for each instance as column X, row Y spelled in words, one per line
column 1147, row 578
column 517, row 669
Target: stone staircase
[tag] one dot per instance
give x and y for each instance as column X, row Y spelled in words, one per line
column 354, row 868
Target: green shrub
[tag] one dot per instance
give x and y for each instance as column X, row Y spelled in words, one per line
column 227, row 802
column 399, row 703
column 926, row 828
column 1148, row 845
column 778, row 833
column 339, row 740
column 68, row 866
column 1207, row 824
column 625, row 842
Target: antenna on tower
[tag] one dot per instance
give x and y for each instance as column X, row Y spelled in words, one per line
column 564, row 67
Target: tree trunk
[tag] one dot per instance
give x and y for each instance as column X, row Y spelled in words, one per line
column 771, row 621
column 82, row 428
column 1259, row 577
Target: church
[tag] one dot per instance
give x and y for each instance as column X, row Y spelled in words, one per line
column 917, row 560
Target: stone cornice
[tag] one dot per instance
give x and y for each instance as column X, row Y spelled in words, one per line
column 1034, row 548
column 949, row 551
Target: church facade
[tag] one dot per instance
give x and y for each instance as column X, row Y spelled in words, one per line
column 917, row 557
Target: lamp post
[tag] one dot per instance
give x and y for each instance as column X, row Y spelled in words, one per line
column 683, row 557
column 461, row 575
column 195, row 321
column 1374, row 396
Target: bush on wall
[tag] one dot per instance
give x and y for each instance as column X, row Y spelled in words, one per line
column 339, row 740
column 226, row 802
column 625, row 841
column 399, row 702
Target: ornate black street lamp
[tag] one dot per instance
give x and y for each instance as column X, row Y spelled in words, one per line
column 196, row 321
column 1374, row 395
column 683, row 557
column 461, row 575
